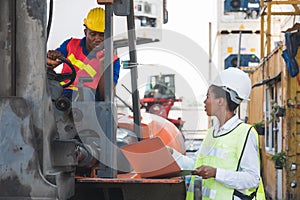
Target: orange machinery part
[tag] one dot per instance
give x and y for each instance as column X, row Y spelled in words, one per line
column 155, row 126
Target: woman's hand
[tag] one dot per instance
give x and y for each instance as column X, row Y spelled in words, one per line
column 205, row 172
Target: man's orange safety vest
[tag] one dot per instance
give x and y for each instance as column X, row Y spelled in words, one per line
column 85, row 66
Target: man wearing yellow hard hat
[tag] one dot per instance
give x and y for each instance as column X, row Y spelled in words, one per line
column 87, row 55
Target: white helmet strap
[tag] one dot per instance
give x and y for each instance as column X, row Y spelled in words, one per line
column 233, row 95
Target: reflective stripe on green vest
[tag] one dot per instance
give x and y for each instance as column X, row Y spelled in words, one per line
column 222, row 152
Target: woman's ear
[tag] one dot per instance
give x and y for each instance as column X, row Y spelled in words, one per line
column 221, row 101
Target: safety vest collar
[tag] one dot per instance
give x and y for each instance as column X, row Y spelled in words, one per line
column 216, row 136
column 84, row 49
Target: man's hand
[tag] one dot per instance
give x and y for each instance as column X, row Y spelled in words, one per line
column 205, row 172
column 52, row 59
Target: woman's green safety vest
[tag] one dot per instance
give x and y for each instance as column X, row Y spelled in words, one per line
column 224, row 152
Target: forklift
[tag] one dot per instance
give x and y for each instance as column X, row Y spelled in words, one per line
column 56, row 149
column 159, row 97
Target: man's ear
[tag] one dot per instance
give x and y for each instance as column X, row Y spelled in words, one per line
column 85, row 32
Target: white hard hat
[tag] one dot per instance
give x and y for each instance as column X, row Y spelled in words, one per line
column 236, row 82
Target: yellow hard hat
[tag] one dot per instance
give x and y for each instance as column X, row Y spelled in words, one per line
column 95, row 20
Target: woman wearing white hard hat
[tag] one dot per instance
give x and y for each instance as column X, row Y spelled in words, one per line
column 228, row 160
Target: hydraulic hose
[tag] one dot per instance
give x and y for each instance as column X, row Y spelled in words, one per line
column 50, row 18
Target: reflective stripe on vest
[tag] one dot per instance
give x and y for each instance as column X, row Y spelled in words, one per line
column 221, row 152
column 78, row 63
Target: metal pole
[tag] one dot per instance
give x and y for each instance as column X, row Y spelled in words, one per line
column 262, row 31
column 108, row 46
column 239, row 50
column 134, row 75
column 198, row 188
column 109, row 151
column 13, row 50
column 239, row 61
column 209, row 53
column 268, row 31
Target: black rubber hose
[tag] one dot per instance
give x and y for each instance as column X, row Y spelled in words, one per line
column 50, row 18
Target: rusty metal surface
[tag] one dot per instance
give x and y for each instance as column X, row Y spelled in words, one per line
column 174, row 180
column 130, row 189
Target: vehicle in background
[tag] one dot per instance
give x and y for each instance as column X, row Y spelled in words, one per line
column 159, row 97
